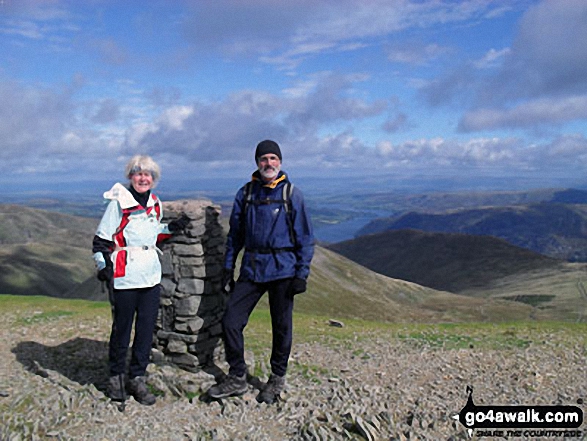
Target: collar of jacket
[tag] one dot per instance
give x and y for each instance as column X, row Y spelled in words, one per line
column 281, row 177
column 125, row 198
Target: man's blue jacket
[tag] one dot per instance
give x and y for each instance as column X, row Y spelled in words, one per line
column 262, row 227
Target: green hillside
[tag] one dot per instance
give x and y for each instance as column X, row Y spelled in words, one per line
column 452, row 262
column 42, row 252
column 24, row 225
column 475, row 266
column 339, row 287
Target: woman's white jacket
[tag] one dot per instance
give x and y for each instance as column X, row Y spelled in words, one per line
column 135, row 231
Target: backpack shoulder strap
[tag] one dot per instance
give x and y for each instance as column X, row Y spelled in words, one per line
column 248, row 193
column 286, row 195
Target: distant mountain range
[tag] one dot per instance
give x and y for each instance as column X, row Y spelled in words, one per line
column 555, row 227
column 47, row 253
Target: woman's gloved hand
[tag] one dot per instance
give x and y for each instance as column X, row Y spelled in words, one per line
column 106, row 274
column 179, row 224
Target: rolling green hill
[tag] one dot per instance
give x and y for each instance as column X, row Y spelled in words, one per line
column 451, row 262
column 339, row 287
column 475, row 266
column 42, row 252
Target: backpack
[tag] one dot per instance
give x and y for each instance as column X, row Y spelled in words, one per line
column 285, row 200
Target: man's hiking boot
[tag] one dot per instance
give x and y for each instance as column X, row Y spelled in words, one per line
column 230, row 386
column 272, row 390
column 138, row 389
column 116, row 390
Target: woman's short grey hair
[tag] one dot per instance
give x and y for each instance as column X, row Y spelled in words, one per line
column 142, row 163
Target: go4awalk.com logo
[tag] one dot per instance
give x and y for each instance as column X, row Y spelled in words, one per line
column 520, row 421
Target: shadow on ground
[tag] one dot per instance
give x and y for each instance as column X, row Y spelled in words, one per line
column 81, row 360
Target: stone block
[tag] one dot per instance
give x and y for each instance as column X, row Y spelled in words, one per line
column 192, row 271
column 166, row 263
column 177, row 347
column 194, row 250
column 167, row 335
column 190, row 326
column 167, row 287
column 185, row 360
column 191, row 286
column 188, row 306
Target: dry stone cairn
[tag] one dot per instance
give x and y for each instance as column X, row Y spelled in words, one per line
column 189, row 327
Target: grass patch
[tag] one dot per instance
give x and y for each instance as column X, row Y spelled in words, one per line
column 315, row 374
column 41, row 317
column 308, row 328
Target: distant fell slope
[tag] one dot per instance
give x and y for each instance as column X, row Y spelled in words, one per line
column 24, row 225
column 448, row 262
column 339, row 287
column 553, row 229
column 43, row 252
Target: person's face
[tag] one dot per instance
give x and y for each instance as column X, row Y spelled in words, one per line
column 141, row 181
column 269, row 166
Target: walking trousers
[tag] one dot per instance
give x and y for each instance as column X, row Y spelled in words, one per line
column 128, row 303
column 240, row 305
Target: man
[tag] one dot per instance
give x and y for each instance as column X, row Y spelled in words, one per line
column 269, row 220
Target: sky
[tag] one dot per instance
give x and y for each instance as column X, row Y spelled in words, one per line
column 414, row 89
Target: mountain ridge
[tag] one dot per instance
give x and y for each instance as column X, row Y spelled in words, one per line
column 551, row 228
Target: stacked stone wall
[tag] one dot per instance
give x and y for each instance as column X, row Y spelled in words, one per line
column 189, row 330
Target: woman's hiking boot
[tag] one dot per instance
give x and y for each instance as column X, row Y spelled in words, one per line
column 137, row 387
column 116, row 390
column 272, row 390
column 230, row 386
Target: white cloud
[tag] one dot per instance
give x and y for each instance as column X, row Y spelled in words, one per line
column 528, row 114
column 224, row 129
column 492, row 58
column 548, row 55
column 286, row 33
column 415, row 53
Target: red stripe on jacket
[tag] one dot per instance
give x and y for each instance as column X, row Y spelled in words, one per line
column 119, row 240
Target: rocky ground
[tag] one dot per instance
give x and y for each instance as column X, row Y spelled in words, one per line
column 375, row 386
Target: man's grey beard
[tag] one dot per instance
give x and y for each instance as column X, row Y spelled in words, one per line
column 269, row 172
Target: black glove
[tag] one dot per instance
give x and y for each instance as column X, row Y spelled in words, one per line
column 106, row 274
column 179, row 224
column 228, row 280
column 297, row 286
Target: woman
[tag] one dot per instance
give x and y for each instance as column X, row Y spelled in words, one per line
column 126, row 256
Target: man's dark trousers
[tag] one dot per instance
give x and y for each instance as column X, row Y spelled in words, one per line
column 240, row 305
column 144, row 303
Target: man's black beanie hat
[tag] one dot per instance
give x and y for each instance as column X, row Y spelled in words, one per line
column 266, row 147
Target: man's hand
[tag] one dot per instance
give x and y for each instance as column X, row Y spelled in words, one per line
column 228, row 280
column 297, row 286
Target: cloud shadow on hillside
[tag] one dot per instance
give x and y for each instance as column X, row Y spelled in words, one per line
column 81, row 360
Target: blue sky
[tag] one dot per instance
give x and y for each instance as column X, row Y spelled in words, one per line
column 347, row 88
